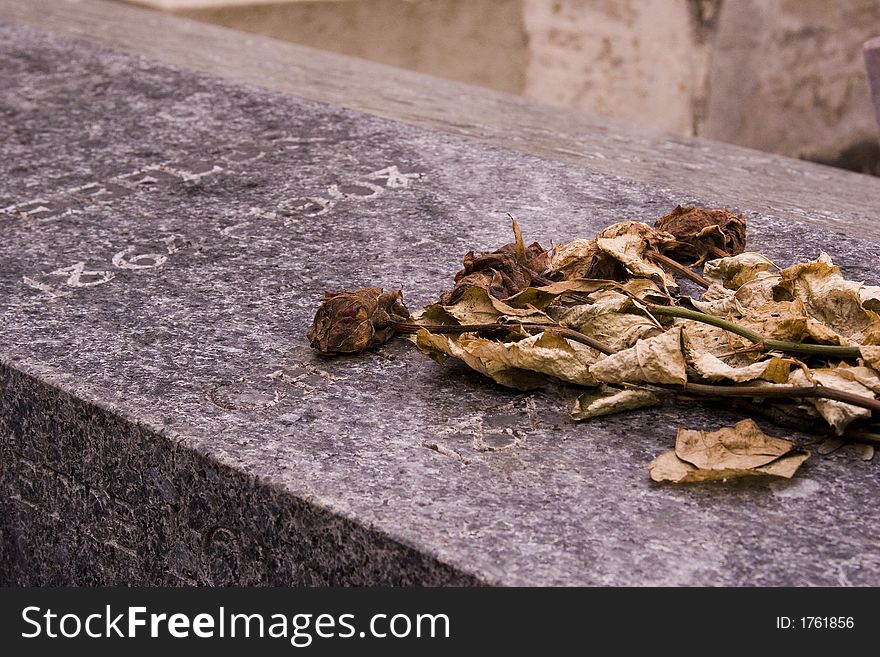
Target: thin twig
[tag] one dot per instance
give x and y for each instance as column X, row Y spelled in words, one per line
column 776, row 392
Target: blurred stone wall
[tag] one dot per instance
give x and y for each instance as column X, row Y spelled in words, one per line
column 778, row 75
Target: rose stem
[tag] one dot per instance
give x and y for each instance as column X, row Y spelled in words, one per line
column 830, row 350
column 777, row 391
column 571, row 334
column 680, row 268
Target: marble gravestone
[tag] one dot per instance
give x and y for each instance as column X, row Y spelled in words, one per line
column 166, row 237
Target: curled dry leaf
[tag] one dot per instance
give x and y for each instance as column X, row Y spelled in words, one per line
column 607, row 400
column 550, row 354
column 713, row 368
column 583, row 259
column 476, row 306
column 700, row 232
column 629, row 242
column 735, row 271
column 738, row 451
column 651, row 360
column 871, row 355
column 516, row 364
column 838, row 414
column 831, row 299
column 351, row 322
column 466, row 348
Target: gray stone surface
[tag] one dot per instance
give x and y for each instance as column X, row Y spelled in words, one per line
column 872, row 62
column 163, row 420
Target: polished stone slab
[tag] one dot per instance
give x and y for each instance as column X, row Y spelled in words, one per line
column 167, row 236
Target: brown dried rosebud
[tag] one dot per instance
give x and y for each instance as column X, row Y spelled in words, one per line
column 702, row 234
column 502, row 273
column 351, row 322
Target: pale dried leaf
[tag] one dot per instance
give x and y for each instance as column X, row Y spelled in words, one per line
column 619, row 331
column 864, row 451
column 716, row 300
column 735, row 271
column 869, row 295
column 871, row 355
column 658, row 359
column 541, row 297
column 609, row 400
column 704, row 338
column 757, row 291
column 668, row 468
column 831, row 299
column 547, row 353
column 838, row 414
column 628, row 241
column 477, row 306
column 740, row 447
column 861, row 374
column 788, row 320
column 713, row 368
column 610, row 317
column 462, row 347
column 582, row 259
column 738, row 451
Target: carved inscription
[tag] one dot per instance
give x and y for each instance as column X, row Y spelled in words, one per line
column 62, row 282
column 165, row 174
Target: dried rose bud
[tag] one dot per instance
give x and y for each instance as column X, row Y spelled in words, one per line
column 702, row 234
column 351, row 322
column 502, row 273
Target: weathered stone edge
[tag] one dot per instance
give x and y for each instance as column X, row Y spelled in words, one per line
column 92, row 497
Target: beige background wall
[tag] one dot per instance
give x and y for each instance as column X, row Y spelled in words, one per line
column 780, row 75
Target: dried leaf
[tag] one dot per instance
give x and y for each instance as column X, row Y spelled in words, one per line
column 736, row 271
column 737, row 451
column 476, row 306
column 869, row 295
column 700, row 231
column 741, row 446
column 757, row 291
column 608, row 400
column 831, row 299
column 871, row 355
column 617, row 331
column 350, row 322
column 668, row 468
column 465, row 347
column 838, row 414
column 610, row 317
column 628, row 242
column 713, row 368
column 547, row 353
column 652, row 360
column 541, row 297
column 516, row 364
column 583, row 259
column 861, row 374
column 864, row 451
column 717, row 300
column 700, row 338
